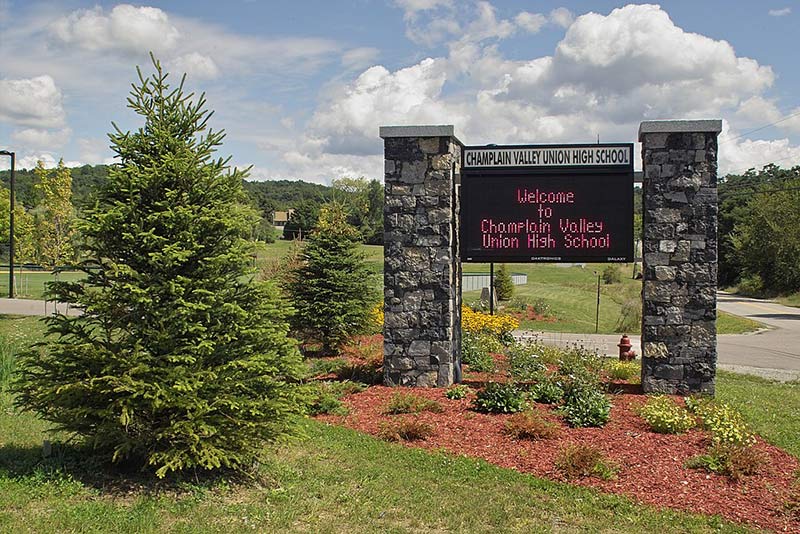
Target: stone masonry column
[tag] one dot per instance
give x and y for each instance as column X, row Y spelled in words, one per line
column 679, row 303
column 422, row 262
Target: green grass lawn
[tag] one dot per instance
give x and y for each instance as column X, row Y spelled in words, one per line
column 790, row 300
column 30, row 284
column 337, row 480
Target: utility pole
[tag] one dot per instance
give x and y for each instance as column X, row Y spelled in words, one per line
column 11, row 226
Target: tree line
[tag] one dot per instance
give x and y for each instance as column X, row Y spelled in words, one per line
column 48, row 202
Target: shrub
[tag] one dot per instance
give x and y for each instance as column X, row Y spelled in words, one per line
column 376, row 318
column 500, row 326
column 321, row 367
column 499, row 398
column 457, row 392
column 547, row 391
column 405, row 430
column 580, row 461
column 332, row 289
column 401, row 402
column 529, row 425
column 666, row 417
column 179, row 360
column 503, row 284
column 475, row 349
column 611, row 275
column 326, row 398
column 524, row 361
column 580, row 369
column 733, row 461
column 725, row 423
column 586, row 407
column 621, row 370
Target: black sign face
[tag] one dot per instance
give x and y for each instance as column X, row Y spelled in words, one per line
column 566, row 203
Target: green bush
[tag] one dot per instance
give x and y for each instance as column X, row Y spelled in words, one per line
column 586, row 407
column 725, row 423
column 326, row 397
column 321, row 367
column 733, row 461
column 525, row 362
column 622, row 370
column 475, row 351
column 402, row 402
column 503, row 284
column 499, row 398
column 666, row 417
column 547, row 391
column 179, row 360
column 457, row 392
column 611, row 275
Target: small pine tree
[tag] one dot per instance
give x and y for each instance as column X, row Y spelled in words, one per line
column 503, row 284
column 332, row 289
column 179, row 360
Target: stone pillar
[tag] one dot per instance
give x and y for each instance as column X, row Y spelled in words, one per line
column 422, row 262
column 679, row 303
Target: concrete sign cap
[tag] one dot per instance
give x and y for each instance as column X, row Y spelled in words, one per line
column 678, row 126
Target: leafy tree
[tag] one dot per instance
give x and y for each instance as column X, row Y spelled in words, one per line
column 767, row 238
column 332, row 289
column 503, row 284
column 738, row 201
column 179, row 360
column 24, row 240
column 54, row 216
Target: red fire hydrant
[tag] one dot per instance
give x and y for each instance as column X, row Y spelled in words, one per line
column 625, row 352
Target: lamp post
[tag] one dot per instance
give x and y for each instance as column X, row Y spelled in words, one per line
column 10, row 226
column 597, row 312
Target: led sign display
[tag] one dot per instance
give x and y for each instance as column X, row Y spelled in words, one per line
column 566, row 203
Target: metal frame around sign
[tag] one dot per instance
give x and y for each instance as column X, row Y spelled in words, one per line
column 473, row 172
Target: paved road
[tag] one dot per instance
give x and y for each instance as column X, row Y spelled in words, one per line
column 772, row 353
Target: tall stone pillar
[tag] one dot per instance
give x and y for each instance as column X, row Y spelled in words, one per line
column 679, row 304
column 422, row 262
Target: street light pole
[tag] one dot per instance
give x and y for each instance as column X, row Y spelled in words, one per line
column 11, row 226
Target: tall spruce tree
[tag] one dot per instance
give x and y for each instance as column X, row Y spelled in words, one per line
column 179, row 360
column 332, row 288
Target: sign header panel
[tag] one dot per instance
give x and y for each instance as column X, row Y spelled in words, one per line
column 546, row 211
column 549, row 156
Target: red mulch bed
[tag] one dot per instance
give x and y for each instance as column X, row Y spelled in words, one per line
column 651, row 465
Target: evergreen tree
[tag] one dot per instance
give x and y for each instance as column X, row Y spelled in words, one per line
column 179, row 360
column 503, row 284
column 332, row 289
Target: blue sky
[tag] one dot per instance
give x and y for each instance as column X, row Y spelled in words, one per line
column 302, row 87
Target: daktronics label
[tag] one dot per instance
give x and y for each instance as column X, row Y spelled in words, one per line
column 575, row 213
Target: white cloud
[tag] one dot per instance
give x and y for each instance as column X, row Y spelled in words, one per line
column 737, row 155
column 607, row 74
column 33, row 102
column 195, row 66
column 95, row 151
column 33, row 138
column 562, row 16
column 780, row 12
column 530, row 22
column 28, row 160
column 125, row 27
column 412, row 7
